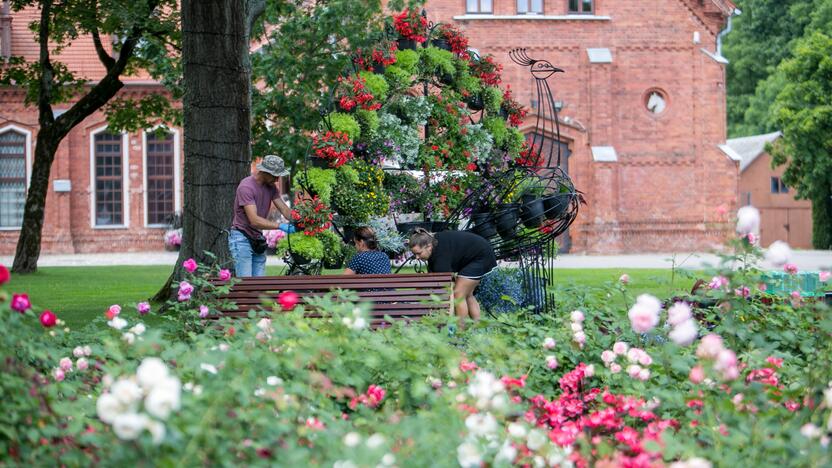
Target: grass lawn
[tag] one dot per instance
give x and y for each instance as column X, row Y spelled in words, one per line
column 78, row 294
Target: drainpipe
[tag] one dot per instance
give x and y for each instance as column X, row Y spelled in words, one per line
column 5, row 31
column 725, row 31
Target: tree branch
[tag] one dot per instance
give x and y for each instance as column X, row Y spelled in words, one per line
column 103, row 56
column 256, row 8
column 45, row 116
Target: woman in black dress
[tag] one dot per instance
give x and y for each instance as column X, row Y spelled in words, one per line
column 467, row 255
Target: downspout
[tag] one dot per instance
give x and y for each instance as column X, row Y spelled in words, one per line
column 725, row 31
column 5, row 31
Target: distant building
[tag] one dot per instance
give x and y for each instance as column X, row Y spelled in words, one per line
column 782, row 217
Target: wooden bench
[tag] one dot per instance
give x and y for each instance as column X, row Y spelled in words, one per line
column 407, row 296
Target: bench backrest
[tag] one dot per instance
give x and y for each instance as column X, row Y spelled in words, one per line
column 407, row 296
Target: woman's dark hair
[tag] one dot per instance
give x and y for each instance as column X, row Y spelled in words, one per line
column 421, row 237
column 366, row 234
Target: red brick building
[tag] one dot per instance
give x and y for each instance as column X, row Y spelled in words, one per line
column 643, row 121
column 643, row 111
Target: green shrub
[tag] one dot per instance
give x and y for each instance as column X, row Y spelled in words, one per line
column 436, row 61
column 497, row 128
column 492, row 97
column 406, row 60
column 301, row 244
column 320, row 181
column 467, row 84
column 368, row 121
column 397, row 77
column 376, row 85
column 346, row 123
column 332, row 246
column 514, row 141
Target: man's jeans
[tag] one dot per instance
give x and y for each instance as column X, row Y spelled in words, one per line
column 246, row 262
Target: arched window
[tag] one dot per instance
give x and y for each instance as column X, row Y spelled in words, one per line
column 12, row 178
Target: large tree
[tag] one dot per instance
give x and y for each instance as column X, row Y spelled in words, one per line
column 48, row 82
column 804, row 112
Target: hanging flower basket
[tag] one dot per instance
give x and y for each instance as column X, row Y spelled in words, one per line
column 411, row 26
column 335, row 148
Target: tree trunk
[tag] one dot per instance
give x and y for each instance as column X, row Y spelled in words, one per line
column 217, row 126
column 822, row 221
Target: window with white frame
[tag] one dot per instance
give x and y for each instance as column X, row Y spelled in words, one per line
column 159, row 177
column 581, row 6
column 478, row 6
column 533, row 7
column 12, row 178
column 109, row 179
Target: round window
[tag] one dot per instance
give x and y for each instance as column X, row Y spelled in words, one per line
column 655, row 101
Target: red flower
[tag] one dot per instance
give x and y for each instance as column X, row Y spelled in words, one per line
column 472, row 167
column 20, row 302
column 48, row 319
column 411, row 25
column 288, row 300
column 5, row 276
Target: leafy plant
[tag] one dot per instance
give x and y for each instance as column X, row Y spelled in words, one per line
column 407, row 60
column 319, row 180
column 345, row 123
column 353, row 93
column 412, row 110
column 368, row 121
column 388, row 237
column 311, row 215
column 307, row 246
column 492, row 97
column 332, row 245
column 335, row 147
column 477, row 141
column 411, row 25
column 436, row 61
column 396, row 141
column 358, row 193
column 398, row 77
column 376, row 84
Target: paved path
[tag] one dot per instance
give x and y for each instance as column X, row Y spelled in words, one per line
column 805, row 260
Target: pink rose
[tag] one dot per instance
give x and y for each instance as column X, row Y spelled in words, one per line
column 725, row 359
column 619, row 348
column 143, row 308
column 795, row 294
column 549, row 343
column 634, row 370
column 225, row 275
column 678, row 313
column 58, row 374
column 288, row 300
column 644, row 374
column 685, row 333
column 113, row 311
column 774, row 361
column 752, row 238
column 185, row 290
column 579, row 337
column 710, row 346
column 48, row 319
column 624, row 279
column 20, row 302
column 790, row 268
column 65, row 364
column 824, row 276
column 645, row 359
column 82, row 364
column 608, row 356
column 722, row 210
column 551, row 362
column 615, row 368
column 718, row 282
column 190, row 265
column 203, row 311
column 697, row 375
column 643, row 318
column 577, row 316
column 743, row 292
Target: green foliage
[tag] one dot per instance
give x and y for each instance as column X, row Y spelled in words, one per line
column 407, row 61
column 332, row 246
column 412, row 110
column 358, row 193
column 397, row 77
column 804, row 112
column 376, row 84
column 514, row 141
column 467, row 84
column 492, row 97
column 497, row 128
column 368, row 121
column 319, row 180
column 308, row 246
column 396, row 141
column 345, row 123
column 435, row 61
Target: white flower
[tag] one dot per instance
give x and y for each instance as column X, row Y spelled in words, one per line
column 633, row 354
column 549, row 342
column 499, row 402
column 138, row 329
column 375, row 441
column 265, row 324
column 352, row 439
column 779, row 253
column 126, row 391
column 87, row 350
column 388, row 459
column 274, row 380
column 576, row 327
column 164, row 398
column 129, row 337
column 359, row 324
column 517, row 430
column 644, row 315
column 810, row 431
column 129, row 426
column 692, row 463
column 151, row 371
column 684, row 333
column 483, row 387
column 539, row 462
column 507, row 453
column 157, row 430
column 589, row 370
column 536, row 439
column 344, row 464
column 748, row 220
column 577, row 316
column 78, row 351
column 117, row 322
column 208, row 368
column 108, row 407
column 678, row 313
column 481, row 424
column 223, row 347
column 468, row 455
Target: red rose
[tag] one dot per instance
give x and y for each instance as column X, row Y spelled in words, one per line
column 48, row 319
column 5, row 276
column 288, row 300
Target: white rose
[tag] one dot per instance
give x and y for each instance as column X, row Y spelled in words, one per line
column 108, row 407
column 274, row 380
column 359, row 324
column 151, row 371
column 265, row 325
column 352, row 439
column 779, row 253
column 129, row 337
column 678, row 313
column 507, row 453
column 684, row 333
column 517, row 430
column 87, row 350
column 138, row 329
column 499, row 402
column 127, row 392
column 157, row 430
column 536, row 439
column 539, row 462
column 748, row 220
column 375, row 441
column 208, row 368
column 117, row 322
column 164, row 398
column 78, row 352
column 468, row 455
column 481, row 424
column 576, row 327
column 224, row 347
column 388, row 459
column 129, row 426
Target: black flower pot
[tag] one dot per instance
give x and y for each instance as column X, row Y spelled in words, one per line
column 475, row 102
column 506, row 220
column 532, row 211
column 555, row 205
column 504, row 113
column 406, row 228
column 406, row 44
column 300, row 259
column 483, row 225
column 441, row 43
column 439, row 226
column 378, row 68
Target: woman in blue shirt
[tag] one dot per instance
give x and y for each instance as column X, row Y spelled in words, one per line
column 369, row 260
